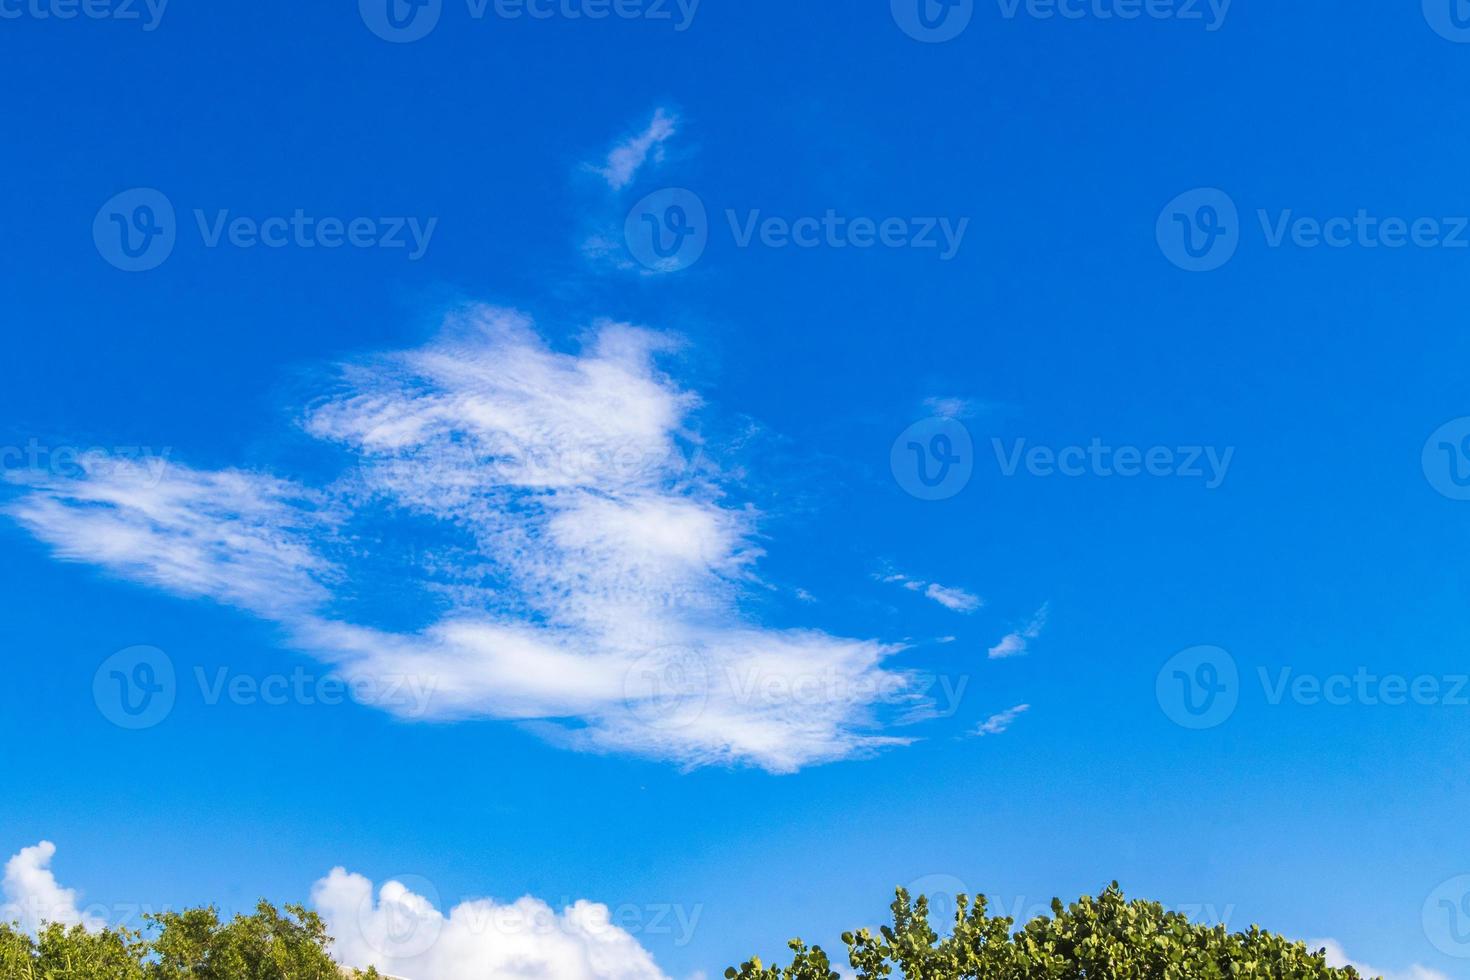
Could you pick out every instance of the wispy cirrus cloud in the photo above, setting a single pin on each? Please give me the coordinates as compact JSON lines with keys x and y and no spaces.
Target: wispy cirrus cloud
{"x":587,"y":564}
{"x":950,"y":597}
{"x":1018,"y":642}
{"x":999,"y":724}
{"x":628,"y":157}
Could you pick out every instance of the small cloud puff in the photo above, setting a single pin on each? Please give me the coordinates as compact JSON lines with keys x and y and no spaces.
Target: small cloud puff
{"x":627,"y":158}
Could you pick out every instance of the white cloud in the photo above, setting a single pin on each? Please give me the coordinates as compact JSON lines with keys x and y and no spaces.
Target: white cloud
{"x":593,"y":574}
{"x":237,"y":537}
{"x":950,"y":408}
{"x":1337,"y":957}
{"x":950,"y":597}
{"x":1015,"y":644}
{"x":33,"y":897}
{"x":403,"y":934}
{"x":627,"y":158}
{"x":957,"y":600}
{"x":1000,"y":723}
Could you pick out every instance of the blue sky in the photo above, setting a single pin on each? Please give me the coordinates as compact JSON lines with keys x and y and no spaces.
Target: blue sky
{"x":701,"y":437}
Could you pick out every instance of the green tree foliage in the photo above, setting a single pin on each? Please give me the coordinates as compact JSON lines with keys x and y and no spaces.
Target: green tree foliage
{"x":1102,"y":938}
{"x":190,"y":945}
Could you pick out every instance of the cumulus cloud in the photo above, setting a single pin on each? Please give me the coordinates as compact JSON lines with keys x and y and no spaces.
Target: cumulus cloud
{"x":1337,"y":957}
{"x":627,"y":158}
{"x":999,"y":724}
{"x":1016,"y":643}
{"x":591,"y":561}
{"x":33,"y":897}
{"x":403,"y":934}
